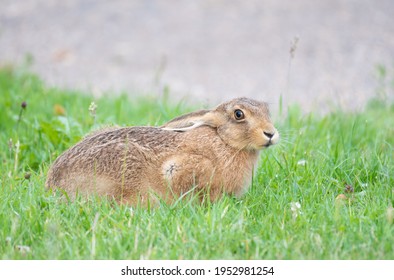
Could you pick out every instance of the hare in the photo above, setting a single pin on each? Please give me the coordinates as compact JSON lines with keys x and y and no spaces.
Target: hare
{"x":213,"y":151}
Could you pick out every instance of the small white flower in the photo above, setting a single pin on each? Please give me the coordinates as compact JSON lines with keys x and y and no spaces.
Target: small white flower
{"x":23,"y":249}
{"x":295,"y":208}
{"x":301,"y":162}
{"x":92,"y":109}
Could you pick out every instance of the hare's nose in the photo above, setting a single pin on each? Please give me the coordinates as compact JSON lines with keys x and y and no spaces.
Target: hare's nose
{"x":269,"y":134}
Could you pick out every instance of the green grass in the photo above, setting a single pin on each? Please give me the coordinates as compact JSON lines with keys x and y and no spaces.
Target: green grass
{"x":317,"y":157}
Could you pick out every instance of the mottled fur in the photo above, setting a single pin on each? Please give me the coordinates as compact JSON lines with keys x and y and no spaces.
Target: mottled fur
{"x":207,"y":150}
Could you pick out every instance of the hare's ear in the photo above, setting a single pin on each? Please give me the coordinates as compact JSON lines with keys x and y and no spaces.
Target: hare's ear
{"x":193,"y":120}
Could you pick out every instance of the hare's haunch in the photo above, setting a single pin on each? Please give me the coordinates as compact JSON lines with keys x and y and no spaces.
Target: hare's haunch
{"x":213,"y":151}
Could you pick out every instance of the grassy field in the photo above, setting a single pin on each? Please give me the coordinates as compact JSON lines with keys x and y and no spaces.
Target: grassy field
{"x":325,"y":192}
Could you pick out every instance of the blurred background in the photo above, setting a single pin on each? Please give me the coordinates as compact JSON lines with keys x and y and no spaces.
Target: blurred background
{"x":320,"y":54}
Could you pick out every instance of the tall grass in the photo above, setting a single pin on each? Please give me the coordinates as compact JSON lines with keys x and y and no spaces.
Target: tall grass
{"x":325,"y":192}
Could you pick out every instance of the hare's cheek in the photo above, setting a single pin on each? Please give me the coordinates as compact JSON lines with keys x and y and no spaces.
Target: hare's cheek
{"x":258,"y":139}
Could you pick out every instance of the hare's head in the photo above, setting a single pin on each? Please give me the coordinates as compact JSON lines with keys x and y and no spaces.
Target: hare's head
{"x":242,"y":123}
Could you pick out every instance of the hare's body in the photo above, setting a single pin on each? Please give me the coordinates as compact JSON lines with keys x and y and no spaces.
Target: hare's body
{"x":132,"y":163}
{"x":126,"y":164}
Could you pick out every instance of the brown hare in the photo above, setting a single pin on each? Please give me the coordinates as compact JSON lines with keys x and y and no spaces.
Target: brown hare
{"x":212,"y":151}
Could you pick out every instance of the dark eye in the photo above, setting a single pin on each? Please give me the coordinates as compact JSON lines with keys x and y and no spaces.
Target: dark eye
{"x":239,"y":115}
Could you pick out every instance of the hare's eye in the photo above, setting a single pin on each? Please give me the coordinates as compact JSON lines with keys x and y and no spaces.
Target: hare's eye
{"x":238,"y":114}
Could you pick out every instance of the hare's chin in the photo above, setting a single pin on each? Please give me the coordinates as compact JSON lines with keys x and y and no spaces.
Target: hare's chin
{"x":257,"y":147}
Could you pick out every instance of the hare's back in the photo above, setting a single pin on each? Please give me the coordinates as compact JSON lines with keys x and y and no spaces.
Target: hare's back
{"x":110,"y":148}
{"x":113,"y":154}
{"x":122,"y":140}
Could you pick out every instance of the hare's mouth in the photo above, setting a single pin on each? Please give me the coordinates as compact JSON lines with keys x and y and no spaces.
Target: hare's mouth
{"x":269,"y":143}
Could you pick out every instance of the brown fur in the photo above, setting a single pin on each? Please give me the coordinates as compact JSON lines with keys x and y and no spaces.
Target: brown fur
{"x":208,"y":150}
